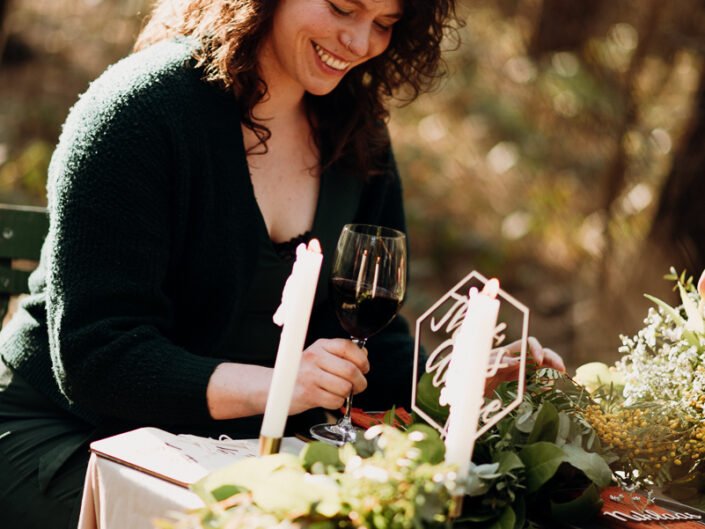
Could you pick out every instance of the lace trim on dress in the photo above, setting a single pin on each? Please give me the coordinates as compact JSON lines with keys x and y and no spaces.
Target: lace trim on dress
{"x":287,"y":250}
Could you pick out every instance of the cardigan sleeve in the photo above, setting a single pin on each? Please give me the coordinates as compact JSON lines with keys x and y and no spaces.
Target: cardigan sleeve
{"x":110,"y":243}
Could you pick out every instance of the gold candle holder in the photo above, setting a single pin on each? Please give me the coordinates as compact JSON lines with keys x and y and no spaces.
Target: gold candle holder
{"x":457,"y":508}
{"x":269,"y":445}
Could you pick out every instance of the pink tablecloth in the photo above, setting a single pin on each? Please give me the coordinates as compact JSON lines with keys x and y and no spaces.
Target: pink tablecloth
{"x":118,"y":495}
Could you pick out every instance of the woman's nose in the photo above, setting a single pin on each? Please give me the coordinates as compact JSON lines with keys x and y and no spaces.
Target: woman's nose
{"x":357,"y":38}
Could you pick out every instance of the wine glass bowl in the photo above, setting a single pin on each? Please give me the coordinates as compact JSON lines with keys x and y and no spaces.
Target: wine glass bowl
{"x":367,"y":287}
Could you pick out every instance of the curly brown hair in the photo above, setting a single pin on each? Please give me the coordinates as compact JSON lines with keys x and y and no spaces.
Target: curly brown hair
{"x":347,"y":120}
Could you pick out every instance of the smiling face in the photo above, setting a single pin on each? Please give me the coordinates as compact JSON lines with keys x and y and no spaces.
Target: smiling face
{"x":313,"y":43}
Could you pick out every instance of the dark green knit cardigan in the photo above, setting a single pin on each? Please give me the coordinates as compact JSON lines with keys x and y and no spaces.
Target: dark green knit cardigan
{"x":151,"y":248}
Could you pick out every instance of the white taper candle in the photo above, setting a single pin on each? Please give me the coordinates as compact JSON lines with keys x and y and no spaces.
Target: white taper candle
{"x":466,"y":376}
{"x":293,"y":315}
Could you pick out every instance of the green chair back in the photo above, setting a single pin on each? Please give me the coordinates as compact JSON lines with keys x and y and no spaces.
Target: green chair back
{"x":22,"y":232}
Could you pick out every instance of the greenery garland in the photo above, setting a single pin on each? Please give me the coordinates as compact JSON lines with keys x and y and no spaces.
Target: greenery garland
{"x":542,"y":460}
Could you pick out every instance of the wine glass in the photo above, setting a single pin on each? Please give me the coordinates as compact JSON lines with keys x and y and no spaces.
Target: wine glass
{"x":367,"y":286}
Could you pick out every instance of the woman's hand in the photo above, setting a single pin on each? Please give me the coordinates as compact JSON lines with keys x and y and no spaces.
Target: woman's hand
{"x":537,"y":356}
{"x":329,"y":370}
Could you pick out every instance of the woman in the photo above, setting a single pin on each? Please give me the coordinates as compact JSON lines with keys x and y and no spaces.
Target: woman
{"x":183,"y":180}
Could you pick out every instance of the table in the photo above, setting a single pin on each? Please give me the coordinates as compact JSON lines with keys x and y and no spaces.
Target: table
{"x":117,"y":496}
{"x":144,"y":474}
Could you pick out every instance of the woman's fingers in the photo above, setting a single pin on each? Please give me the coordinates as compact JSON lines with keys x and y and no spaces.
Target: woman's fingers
{"x":343,"y":359}
{"x":346,"y":350}
{"x":537,"y":354}
{"x":553,"y":359}
{"x":336,"y":374}
{"x":329,"y":371}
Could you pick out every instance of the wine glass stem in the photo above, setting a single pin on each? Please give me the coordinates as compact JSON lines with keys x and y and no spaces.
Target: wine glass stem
{"x":345,"y":421}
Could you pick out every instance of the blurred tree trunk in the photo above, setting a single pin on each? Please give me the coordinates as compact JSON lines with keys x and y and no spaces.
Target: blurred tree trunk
{"x":563,"y":25}
{"x":613,"y":180}
{"x":678,"y":229}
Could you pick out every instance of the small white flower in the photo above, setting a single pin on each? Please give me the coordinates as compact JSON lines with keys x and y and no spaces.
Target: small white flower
{"x":413,"y":454}
{"x":354,"y":463}
{"x":417,"y":436}
{"x":373,"y":431}
{"x":373,"y":473}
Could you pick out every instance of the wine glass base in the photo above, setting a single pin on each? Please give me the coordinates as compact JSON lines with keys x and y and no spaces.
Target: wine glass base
{"x":334,"y":434}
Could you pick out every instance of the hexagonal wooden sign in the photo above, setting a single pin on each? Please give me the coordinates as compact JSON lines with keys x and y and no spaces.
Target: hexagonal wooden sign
{"x":440,"y":324}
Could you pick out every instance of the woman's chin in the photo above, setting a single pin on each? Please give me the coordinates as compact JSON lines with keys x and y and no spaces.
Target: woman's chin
{"x":322,"y":90}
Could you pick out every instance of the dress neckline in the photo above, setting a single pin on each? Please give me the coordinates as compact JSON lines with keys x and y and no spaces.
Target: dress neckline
{"x":287,"y":250}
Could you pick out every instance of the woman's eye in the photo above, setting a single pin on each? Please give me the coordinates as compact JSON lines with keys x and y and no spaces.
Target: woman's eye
{"x":338,"y":10}
{"x":383,"y":27}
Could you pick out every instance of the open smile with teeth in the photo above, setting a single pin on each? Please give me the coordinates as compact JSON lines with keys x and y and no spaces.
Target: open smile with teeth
{"x":336,"y":64}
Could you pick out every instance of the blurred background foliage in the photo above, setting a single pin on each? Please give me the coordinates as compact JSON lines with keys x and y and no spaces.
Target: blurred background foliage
{"x":564,"y":152}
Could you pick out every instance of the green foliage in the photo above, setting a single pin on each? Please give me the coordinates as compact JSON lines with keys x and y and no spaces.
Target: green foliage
{"x":579,"y":509}
{"x":541,"y":461}
{"x":541,"y":458}
{"x":397,"y":481}
{"x":320,"y":454}
{"x":543,"y":454}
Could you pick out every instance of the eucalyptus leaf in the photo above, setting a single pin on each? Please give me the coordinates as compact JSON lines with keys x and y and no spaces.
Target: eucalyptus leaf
{"x":582,"y":508}
{"x":541,"y":461}
{"x":525,"y":417}
{"x":247,"y":473}
{"x":427,"y":398}
{"x":226,"y":491}
{"x":546,"y":426}
{"x":364,"y":447}
{"x":318,"y":451}
{"x":564,"y":428}
{"x":292,"y":491}
{"x":593,"y":466}
{"x":474,"y":484}
{"x":508,"y":461}
{"x":432,"y":447}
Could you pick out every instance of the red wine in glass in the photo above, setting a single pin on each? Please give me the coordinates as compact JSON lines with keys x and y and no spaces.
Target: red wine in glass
{"x":361,"y":311}
{"x":367,"y":286}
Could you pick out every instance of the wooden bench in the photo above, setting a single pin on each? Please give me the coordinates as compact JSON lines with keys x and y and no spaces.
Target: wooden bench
{"x":22,"y":232}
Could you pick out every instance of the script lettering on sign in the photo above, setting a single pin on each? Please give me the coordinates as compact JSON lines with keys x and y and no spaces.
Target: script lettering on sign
{"x":439,"y":359}
{"x":441,"y":324}
{"x":651,"y":516}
